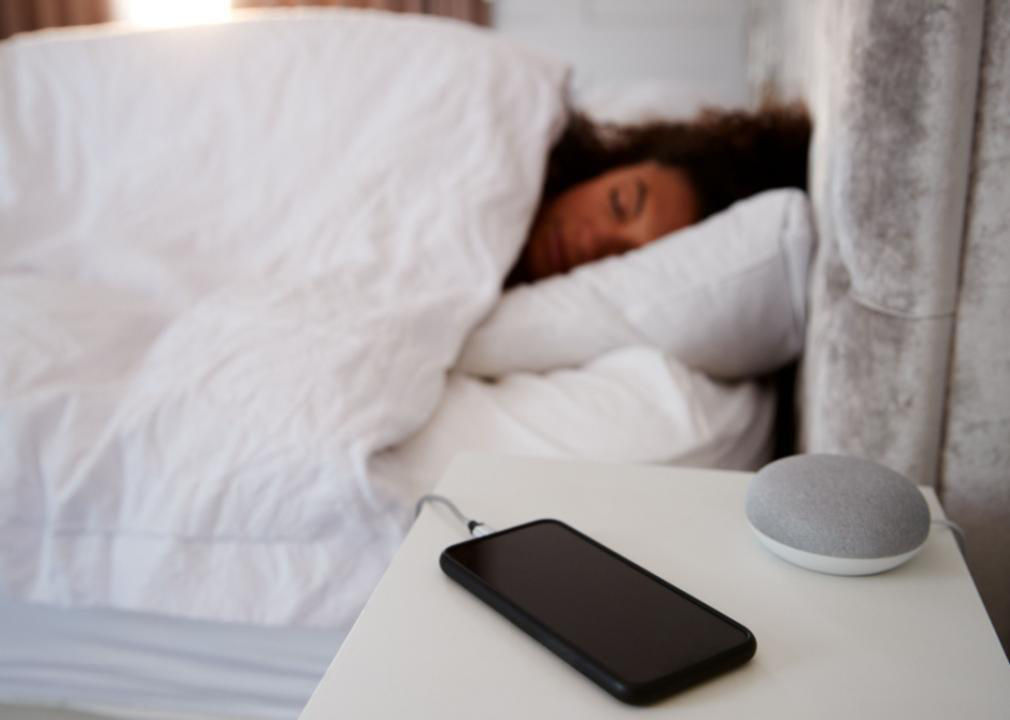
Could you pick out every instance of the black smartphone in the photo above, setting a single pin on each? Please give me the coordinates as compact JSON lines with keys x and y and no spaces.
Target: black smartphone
{"x":634,"y":634}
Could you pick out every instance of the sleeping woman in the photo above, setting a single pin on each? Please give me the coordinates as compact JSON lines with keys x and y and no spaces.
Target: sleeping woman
{"x":609,"y":189}
{"x":604,"y":364}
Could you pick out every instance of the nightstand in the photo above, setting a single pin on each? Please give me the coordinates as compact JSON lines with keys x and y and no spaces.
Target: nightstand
{"x":911,"y":643}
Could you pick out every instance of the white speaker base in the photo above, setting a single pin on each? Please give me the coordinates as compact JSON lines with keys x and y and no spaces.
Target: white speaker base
{"x":833,"y":565}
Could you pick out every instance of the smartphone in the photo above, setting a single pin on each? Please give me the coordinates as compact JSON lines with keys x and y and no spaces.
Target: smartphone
{"x":632,"y":633}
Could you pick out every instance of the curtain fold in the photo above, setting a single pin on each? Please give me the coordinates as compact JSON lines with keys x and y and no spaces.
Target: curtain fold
{"x":475,"y":11}
{"x":24,"y":15}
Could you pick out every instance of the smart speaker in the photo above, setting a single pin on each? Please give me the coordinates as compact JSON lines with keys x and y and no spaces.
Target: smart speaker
{"x":837,"y":514}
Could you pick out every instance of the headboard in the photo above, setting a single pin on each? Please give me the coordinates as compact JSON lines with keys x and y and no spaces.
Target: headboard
{"x":908,"y":346}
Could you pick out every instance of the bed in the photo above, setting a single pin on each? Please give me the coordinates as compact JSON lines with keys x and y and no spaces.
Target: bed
{"x":250,"y":309}
{"x":256,"y":567}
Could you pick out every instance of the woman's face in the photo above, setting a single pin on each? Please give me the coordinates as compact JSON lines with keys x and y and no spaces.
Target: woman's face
{"x":617,"y":211}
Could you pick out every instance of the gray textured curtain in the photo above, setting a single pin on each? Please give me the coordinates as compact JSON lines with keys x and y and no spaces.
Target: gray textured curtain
{"x":23,"y":15}
{"x":475,"y":11}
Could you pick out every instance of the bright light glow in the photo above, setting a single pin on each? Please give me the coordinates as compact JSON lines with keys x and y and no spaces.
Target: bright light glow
{"x":162,"y":13}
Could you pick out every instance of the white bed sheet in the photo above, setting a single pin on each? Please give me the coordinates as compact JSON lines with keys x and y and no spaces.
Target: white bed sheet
{"x":140,"y":664}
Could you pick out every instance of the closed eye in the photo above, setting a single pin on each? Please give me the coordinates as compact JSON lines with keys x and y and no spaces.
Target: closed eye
{"x":616,"y":206}
{"x":621,"y":207}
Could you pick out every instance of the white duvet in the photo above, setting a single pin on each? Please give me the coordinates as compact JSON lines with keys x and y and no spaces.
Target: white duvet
{"x":237,"y":263}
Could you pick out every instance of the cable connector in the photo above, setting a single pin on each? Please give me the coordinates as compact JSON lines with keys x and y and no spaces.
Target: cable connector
{"x":476,"y":528}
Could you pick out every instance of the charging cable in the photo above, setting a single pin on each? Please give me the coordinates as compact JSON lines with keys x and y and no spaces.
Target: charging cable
{"x":954,"y":528}
{"x":476,"y":528}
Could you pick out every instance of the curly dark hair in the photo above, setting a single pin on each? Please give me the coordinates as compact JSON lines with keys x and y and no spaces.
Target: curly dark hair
{"x":727,"y":154}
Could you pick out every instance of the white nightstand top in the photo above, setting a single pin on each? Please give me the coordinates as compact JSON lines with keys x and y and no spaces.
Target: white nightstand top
{"x":911,"y":643}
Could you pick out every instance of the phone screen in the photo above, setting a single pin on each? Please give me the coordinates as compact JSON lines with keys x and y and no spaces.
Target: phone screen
{"x":630,"y":622}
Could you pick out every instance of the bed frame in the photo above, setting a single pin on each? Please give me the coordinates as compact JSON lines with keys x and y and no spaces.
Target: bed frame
{"x":908,"y":345}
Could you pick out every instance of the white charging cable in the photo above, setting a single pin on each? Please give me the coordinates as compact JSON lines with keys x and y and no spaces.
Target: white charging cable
{"x":954,"y":528}
{"x":476,"y":528}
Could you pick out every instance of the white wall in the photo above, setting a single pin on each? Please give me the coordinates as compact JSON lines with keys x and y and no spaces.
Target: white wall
{"x":679,"y":53}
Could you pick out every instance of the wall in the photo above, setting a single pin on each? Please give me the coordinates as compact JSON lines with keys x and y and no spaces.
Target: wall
{"x":672,"y":53}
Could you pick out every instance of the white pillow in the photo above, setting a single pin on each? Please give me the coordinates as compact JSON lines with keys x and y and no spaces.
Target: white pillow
{"x":725,"y":296}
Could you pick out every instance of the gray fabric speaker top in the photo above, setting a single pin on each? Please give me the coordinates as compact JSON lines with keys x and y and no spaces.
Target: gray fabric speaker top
{"x":838,"y":506}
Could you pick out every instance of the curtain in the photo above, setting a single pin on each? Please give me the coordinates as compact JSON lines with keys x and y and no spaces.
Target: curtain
{"x":475,"y":11}
{"x":23,"y":15}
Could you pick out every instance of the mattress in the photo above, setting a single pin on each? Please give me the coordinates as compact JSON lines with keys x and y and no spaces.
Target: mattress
{"x":139,"y":664}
